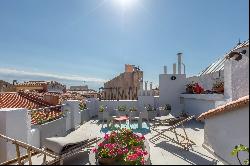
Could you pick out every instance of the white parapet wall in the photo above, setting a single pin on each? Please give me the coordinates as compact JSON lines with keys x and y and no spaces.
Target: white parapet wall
{"x":56,"y":128}
{"x":196,"y":104}
{"x":73,"y":107}
{"x":144,"y":101}
{"x":93,"y":106}
{"x":14,"y":123}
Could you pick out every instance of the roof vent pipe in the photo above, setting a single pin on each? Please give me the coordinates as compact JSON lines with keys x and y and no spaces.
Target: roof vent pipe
{"x":165,"y":69}
{"x":179,"y":62}
{"x":174,"y":68}
{"x":184,"y":68}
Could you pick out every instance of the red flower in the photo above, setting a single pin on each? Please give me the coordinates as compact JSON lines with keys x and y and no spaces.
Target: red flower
{"x":94,"y":150}
{"x":106,"y":137}
{"x":100,"y":144}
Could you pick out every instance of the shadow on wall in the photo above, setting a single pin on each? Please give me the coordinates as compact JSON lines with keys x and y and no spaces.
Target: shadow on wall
{"x":189,"y":156}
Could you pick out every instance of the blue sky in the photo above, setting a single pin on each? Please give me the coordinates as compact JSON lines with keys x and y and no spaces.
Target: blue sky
{"x":91,"y":40}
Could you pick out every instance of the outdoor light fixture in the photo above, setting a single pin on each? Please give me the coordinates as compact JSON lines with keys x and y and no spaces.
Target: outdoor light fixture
{"x":173,"y":78}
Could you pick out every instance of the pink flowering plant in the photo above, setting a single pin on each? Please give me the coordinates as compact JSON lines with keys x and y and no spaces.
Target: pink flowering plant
{"x":123,"y":147}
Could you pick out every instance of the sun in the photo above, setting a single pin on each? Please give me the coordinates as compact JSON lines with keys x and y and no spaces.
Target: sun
{"x":125,"y":4}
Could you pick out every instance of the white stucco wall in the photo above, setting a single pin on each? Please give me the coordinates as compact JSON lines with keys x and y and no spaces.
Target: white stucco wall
{"x":73,"y":107}
{"x":223,"y":132}
{"x":56,"y":128}
{"x":144,"y":101}
{"x":196,"y":104}
{"x":170,"y":91}
{"x":92,"y":105}
{"x":237,"y":77}
{"x":240,"y":78}
{"x":14,"y":123}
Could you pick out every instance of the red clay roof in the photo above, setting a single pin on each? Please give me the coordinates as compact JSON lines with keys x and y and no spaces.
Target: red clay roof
{"x":21,"y":100}
{"x":28,"y":101}
{"x":231,"y":106}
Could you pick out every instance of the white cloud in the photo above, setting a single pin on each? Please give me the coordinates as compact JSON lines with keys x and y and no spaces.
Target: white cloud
{"x":15,"y":72}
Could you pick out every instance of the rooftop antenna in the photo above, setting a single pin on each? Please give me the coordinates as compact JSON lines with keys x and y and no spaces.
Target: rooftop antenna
{"x":239,"y":42}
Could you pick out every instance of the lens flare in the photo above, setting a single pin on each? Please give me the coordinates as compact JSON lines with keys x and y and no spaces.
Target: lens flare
{"x":125,"y":4}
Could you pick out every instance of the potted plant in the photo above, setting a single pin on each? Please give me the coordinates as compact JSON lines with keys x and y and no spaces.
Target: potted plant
{"x":122,"y":147}
{"x":166,"y":110}
{"x":84,"y":112}
{"x":197,"y":89}
{"x":218,"y":87}
{"x":236,"y":152}
{"x":189,"y":88}
{"x":100,"y":112}
{"x":133,"y":111}
{"x":122,"y":110}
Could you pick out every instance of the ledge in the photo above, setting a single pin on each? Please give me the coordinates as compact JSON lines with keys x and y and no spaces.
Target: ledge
{"x":212,"y":97}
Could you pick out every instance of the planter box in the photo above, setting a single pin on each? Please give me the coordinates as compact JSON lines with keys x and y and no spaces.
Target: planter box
{"x":94,"y":161}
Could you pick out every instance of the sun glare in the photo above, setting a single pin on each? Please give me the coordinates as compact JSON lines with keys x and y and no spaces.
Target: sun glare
{"x":125,"y":4}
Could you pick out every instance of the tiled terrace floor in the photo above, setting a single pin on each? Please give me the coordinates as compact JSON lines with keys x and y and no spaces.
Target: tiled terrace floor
{"x":162,"y":152}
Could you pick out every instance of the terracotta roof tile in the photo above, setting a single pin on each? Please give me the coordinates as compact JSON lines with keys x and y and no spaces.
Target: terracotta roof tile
{"x":231,"y":106}
{"x":28,"y":101}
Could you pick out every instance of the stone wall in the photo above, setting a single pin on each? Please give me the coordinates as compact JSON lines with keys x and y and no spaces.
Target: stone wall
{"x":123,"y":87}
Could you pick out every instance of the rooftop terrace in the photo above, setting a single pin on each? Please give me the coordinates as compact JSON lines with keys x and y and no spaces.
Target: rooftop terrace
{"x":162,"y":152}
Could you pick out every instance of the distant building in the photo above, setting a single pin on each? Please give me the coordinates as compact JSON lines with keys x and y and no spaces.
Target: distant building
{"x":125,"y":86}
{"x":79,"y":88}
{"x":6,"y":87}
{"x":41,"y":86}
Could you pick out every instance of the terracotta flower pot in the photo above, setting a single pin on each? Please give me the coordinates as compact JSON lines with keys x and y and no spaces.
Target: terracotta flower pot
{"x":189,"y":90}
{"x":106,"y":161}
{"x":219,"y":90}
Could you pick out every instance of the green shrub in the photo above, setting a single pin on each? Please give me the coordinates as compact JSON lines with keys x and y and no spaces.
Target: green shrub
{"x":150,"y":108}
{"x":132,"y":109}
{"x":240,"y":148}
{"x":101,"y":108}
{"x":82,"y":106}
{"x":122,"y":108}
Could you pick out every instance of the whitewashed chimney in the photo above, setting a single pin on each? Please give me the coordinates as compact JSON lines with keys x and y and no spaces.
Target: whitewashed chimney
{"x":179,"y":62}
{"x":165,"y":69}
{"x":174,"y":68}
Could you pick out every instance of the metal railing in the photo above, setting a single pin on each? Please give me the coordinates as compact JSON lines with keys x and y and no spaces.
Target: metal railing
{"x":31,"y":151}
